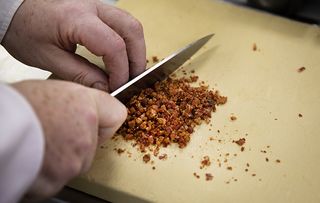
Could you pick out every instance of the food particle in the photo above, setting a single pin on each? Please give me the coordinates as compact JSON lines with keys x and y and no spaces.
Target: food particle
{"x":233,"y":118}
{"x":209,"y":176}
{"x":146,"y":158}
{"x":301,"y":69}
{"x":246,"y":170}
{"x":168,"y":113}
{"x":153,"y":168}
{"x":242,"y":149}
{"x":205,"y":162}
{"x":155,"y":59}
{"x":240,"y":142}
{"x":196,"y":175}
{"x":278,"y":161}
{"x":300,"y":115}
{"x":267,"y":159}
{"x":229,"y":168}
{"x":253,"y":174}
{"x":263,"y":151}
{"x":254,"y":47}
{"x":119,"y":151}
{"x":163,"y":157}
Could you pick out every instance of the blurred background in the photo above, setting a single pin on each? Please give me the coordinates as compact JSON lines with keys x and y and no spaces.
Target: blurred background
{"x":301,"y":10}
{"x":307,"y":11}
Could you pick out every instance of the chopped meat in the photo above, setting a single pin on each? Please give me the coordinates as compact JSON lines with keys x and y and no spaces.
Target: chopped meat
{"x":209,"y":176}
{"x":146,"y":158}
{"x":240,"y":142}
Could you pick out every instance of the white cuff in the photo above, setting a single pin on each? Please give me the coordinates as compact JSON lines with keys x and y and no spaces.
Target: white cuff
{"x":21,"y":145}
{"x":7,"y":10}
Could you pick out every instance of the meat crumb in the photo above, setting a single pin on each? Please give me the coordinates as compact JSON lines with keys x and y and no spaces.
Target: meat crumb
{"x":168,"y":113}
{"x":153,"y":168}
{"x":240,"y":142}
{"x":242,"y":149}
{"x":246,"y":170}
{"x":254,"y":47}
{"x":155,"y":59}
{"x":196,"y":175}
{"x":146,"y":158}
{"x":205,"y":162}
{"x":233,"y":118}
{"x":278,"y":161}
{"x":253,"y":174}
{"x":119,"y":151}
{"x":229,"y":168}
{"x":163,"y":157}
{"x":267,"y":159}
{"x":209,"y":176}
{"x":300,"y":115}
{"x":300,"y":70}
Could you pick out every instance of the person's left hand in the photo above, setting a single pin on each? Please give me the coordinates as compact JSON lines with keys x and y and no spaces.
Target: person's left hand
{"x":44,"y":34}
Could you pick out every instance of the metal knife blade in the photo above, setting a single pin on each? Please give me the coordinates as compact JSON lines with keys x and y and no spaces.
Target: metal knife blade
{"x":159,"y":71}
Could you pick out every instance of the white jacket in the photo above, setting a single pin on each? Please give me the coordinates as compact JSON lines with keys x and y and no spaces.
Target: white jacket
{"x":21,"y":137}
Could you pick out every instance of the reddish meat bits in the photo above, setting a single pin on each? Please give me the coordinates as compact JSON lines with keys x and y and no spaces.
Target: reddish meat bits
{"x":168,"y":113}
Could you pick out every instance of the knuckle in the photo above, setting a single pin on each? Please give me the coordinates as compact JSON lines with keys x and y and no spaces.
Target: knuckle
{"x":136,"y":27}
{"x":118,"y":44}
{"x":80,"y":77}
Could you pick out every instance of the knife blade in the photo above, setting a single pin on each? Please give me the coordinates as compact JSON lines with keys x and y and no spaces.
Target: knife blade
{"x":159,"y":71}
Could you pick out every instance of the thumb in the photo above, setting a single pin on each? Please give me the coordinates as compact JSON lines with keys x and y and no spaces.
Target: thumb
{"x":75,"y":68}
{"x":111,"y":113}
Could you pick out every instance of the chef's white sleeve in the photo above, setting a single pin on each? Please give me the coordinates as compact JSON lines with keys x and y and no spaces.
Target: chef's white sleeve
{"x":21,"y":145}
{"x":7,"y":10}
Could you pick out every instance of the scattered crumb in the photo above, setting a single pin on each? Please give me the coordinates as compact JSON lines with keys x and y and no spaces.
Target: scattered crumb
{"x":275,"y":119}
{"x":227,"y":182}
{"x":248,"y":165}
{"x":301,"y":69}
{"x":263,"y":151}
{"x":240,"y":142}
{"x":254,"y":47}
{"x":233,"y":118}
{"x":242,"y":149}
{"x":209,"y":176}
{"x":235,"y":180}
{"x":253,"y":174}
{"x":211,"y":138}
{"x":146,"y":158}
{"x":300,"y":115}
{"x":229,"y":168}
{"x":192,"y":71}
{"x":278,"y":161}
{"x":119,"y":151}
{"x":196,"y":175}
{"x":205,"y":162}
{"x":163,"y":157}
{"x":268,"y":146}
{"x":246,"y":170}
{"x":218,"y":131}
{"x":155,"y":59}
{"x":147,"y":61}
{"x":267,"y":159}
{"x":153,"y":168}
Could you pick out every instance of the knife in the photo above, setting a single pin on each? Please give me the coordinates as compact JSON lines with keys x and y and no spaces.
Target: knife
{"x":159,"y":71}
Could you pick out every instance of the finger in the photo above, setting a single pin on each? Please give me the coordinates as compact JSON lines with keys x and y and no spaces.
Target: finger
{"x":101,"y":40}
{"x":131,"y":31}
{"x":111,"y":114}
{"x":75,"y":68}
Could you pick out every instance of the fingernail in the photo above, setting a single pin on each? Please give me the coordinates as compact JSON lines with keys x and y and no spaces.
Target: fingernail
{"x":100,"y":86}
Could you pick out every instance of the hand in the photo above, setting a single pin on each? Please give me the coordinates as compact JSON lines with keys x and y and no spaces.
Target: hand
{"x":74,"y":120}
{"x":44,"y":34}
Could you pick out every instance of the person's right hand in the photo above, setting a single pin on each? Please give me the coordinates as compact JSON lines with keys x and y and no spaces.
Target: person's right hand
{"x":74,"y":120}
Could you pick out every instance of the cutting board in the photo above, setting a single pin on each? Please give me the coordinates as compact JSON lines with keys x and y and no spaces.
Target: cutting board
{"x":265,"y":91}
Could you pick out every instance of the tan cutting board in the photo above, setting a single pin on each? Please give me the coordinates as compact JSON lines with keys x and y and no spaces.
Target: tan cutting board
{"x":265,"y":92}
